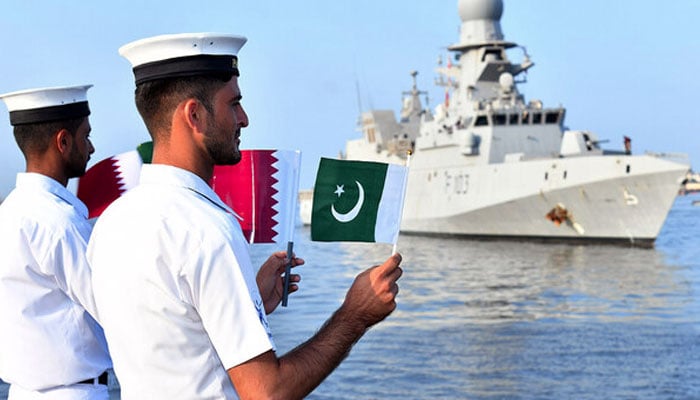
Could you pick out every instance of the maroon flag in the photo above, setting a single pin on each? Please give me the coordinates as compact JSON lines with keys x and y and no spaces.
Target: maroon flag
{"x":262,"y":190}
{"x":110,"y":178}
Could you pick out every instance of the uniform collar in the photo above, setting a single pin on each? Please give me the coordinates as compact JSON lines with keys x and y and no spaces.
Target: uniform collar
{"x":161,"y":174}
{"x":33,"y":180}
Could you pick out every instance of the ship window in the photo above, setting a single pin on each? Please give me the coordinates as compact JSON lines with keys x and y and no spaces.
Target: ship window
{"x":499,"y":119}
{"x":481,"y":120}
{"x":513,"y":119}
{"x":564,"y":174}
{"x":551,"y":118}
{"x":628,"y":168}
{"x":492,"y":55}
{"x":537,"y":118}
{"x":526,"y":118}
{"x":546,"y":176}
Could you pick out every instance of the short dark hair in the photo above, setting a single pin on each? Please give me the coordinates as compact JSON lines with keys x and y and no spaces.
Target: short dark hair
{"x":36,"y":138}
{"x":156,"y":100}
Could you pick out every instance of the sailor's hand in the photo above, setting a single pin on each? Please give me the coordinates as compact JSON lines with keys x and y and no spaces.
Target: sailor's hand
{"x":372,"y":296}
{"x":270,"y":279}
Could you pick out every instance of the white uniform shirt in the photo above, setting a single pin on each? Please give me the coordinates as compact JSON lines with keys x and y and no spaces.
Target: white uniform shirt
{"x":175,"y":290}
{"x":47,"y":338}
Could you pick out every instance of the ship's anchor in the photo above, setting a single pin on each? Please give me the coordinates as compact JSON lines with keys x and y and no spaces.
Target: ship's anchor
{"x":560,"y":214}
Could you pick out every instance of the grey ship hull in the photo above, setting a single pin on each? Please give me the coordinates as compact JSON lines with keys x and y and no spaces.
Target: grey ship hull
{"x":610,"y":207}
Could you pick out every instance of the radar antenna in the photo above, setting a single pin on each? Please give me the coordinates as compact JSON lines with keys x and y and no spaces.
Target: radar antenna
{"x":414,"y":93}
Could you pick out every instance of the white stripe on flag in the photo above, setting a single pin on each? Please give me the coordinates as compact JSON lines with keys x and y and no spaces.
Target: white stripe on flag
{"x":388,"y":215}
{"x":288,"y":162}
{"x":129,"y":169}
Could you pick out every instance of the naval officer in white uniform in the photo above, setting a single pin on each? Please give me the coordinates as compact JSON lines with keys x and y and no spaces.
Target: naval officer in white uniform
{"x":182,"y":308}
{"x":50,"y":345}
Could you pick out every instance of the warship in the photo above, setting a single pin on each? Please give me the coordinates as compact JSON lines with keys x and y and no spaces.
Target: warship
{"x":487,"y":163}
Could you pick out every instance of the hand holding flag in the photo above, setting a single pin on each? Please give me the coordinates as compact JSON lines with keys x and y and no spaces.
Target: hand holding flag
{"x":261,"y":190}
{"x":372,"y":295}
{"x":272,"y":288}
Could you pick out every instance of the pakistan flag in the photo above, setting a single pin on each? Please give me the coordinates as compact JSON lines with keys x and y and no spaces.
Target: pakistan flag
{"x":357,"y":201}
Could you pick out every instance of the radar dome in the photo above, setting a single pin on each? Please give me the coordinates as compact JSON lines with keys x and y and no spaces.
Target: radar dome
{"x":506,"y":81}
{"x":481,"y":24}
{"x":470,"y":10}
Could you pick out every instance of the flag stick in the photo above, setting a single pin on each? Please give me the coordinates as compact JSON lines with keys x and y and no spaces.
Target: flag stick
{"x":403,"y":199}
{"x":287,"y":273}
{"x":252,"y":190}
{"x":290,"y":230}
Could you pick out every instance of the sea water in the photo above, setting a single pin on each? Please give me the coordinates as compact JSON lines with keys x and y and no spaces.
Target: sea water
{"x":511,"y":320}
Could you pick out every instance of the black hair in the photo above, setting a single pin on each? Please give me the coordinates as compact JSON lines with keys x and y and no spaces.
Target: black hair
{"x":157,"y":100}
{"x":36,"y":138}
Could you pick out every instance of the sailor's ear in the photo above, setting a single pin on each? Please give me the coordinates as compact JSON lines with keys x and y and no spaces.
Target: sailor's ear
{"x":63,"y":140}
{"x":195,"y":114}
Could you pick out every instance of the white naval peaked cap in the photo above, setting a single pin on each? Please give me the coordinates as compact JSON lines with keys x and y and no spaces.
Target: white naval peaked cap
{"x":183,"y":54}
{"x":47,"y":104}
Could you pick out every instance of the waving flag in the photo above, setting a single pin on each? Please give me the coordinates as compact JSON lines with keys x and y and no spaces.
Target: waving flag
{"x":262,"y":190}
{"x":110,"y":178}
{"x":357,"y":201}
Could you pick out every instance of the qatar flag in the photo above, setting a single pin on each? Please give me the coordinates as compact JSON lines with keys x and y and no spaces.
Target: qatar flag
{"x":110,"y":178}
{"x":262,"y":190}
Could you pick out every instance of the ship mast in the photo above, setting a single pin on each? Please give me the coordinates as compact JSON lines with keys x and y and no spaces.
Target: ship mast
{"x":411,"y":101}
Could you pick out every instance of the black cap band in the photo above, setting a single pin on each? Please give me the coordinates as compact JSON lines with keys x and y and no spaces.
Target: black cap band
{"x":186,"y":66}
{"x":50,"y":114}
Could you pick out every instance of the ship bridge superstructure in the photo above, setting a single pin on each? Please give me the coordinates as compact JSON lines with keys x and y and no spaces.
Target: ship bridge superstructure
{"x":484,"y":115}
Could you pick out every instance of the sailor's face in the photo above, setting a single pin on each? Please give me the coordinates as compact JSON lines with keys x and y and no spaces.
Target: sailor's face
{"x":224,"y":129}
{"x":80,"y":150}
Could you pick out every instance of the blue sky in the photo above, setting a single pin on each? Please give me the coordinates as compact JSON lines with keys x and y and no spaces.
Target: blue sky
{"x":623,"y":67}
